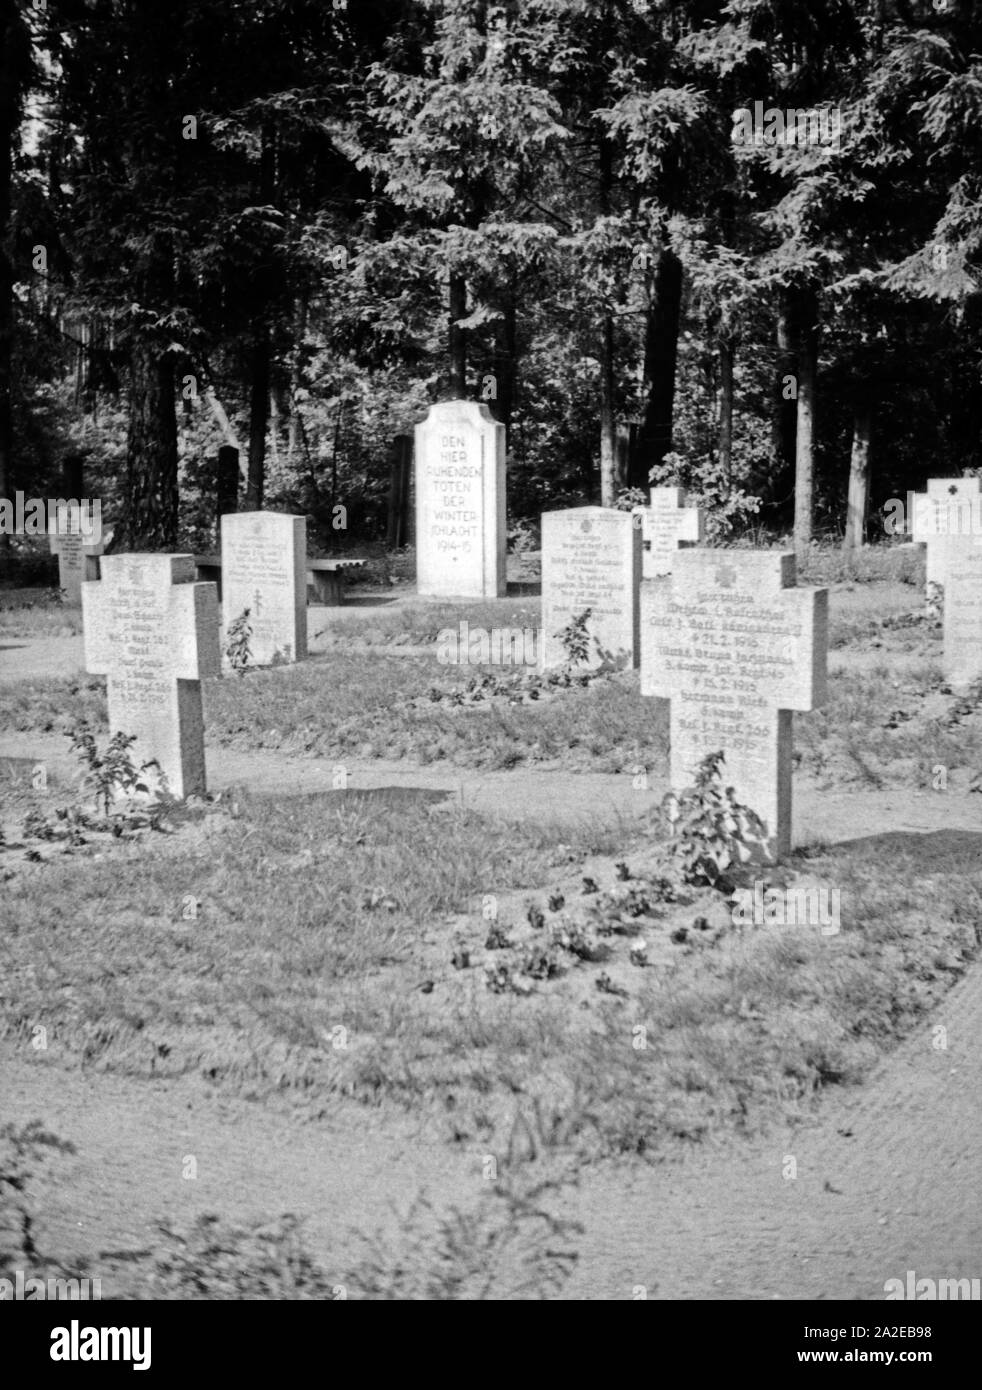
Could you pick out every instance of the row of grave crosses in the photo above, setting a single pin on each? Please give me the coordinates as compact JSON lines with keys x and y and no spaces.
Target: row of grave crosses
{"x":726,"y":636}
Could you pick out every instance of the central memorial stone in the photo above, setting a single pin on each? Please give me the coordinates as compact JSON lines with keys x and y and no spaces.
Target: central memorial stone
{"x":153,"y":632}
{"x":264,"y":570}
{"x":460,"y":502}
{"x":591,"y":559}
{"x":736,"y":647}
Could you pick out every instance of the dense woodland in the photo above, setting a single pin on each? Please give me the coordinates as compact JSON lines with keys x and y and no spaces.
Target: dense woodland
{"x":290,"y":225}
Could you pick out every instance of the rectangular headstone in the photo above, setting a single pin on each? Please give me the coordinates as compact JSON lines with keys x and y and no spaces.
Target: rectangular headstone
{"x":77,"y":557}
{"x":460,"y":502}
{"x":666,"y":526}
{"x":949,"y":509}
{"x":591,"y":559}
{"x":963,"y":613}
{"x":264,"y":570}
{"x":736,"y":647}
{"x":153,"y":632}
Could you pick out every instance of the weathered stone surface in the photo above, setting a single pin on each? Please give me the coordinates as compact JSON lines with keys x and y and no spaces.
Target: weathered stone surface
{"x":950,"y":509}
{"x":736,"y":647}
{"x":264,"y":570}
{"x":591,"y":558}
{"x":460,"y":502}
{"x":153,"y":632}
{"x":963,"y":612}
{"x":667,"y":525}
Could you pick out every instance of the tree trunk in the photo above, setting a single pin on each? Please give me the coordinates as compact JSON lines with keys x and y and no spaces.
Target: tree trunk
{"x":784,"y":422}
{"x":726,"y":356}
{"x":258,"y":418}
{"x":660,"y":357}
{"x":260,"y":352}
{"x":149,"y":520}
{"x":855,"y":532}
{"x":227,"y":485}
{"x":804,"y":461}
{"x":458,"y":338}
{"x":400,"y":471}
{"x":505,"y":365}
{"x":15,"y":67}
{"x":608,"y":427}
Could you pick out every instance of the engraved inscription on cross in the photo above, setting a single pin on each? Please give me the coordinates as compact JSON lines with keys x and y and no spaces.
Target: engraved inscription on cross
{"x":666,"y":526}
{"x":154,"y":633}
{"x":736,"y":647}
{"x":76,"y":552}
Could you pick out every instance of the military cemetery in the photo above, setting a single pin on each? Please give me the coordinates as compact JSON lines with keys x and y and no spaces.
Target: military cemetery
{"x":493,"y":812}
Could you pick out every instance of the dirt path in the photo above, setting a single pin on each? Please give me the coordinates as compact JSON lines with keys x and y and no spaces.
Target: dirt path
{"x":357,"y":1170}
{"x":542,"y":796}
{"x":887,"y":1181}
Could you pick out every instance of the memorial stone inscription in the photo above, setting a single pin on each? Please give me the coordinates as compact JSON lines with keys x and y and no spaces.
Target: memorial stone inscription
{"x":264,"y":570}
{"x":460,"y":502}
{"x":667,"y":525}
{"x":153,"y":632}
{"x":76,"y":554}
{"x":591,"y":559}
{"x":963,"y":613}
{"x":736,"y":647}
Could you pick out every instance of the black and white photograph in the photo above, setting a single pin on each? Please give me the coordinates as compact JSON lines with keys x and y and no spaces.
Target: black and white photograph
{"x":491,"y":666}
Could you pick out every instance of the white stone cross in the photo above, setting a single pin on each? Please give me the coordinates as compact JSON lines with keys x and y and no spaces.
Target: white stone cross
{"x":736,"y":647}
{"x":76,"y":555}
{"x":951,"y":507}
{"x":666,"y":526}
{"x":153,"y":632}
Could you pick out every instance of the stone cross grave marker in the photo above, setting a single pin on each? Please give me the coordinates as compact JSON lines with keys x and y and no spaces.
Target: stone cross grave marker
{"x":962,"y":659}
{"x":460,"y":502}
{"x":153,"y":632}
{"x":736,"y":647}
{"x":76,"y":555}
{"x":666,"y":526}
{"x":264,"y":569}
{"x":591,"y":558}
{"x":951,"y":507}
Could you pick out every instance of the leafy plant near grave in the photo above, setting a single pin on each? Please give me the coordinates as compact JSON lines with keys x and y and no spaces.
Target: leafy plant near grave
{"x":575,"y":638}
{"x":710,"y":831}
{"x":238,"y":646}
{"x":108,"y":774}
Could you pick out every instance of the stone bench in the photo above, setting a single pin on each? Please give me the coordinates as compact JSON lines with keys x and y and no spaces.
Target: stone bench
{"x":325,"y":578}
